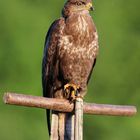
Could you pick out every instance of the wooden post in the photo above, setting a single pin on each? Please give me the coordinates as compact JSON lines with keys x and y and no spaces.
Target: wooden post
{"x":54,"y":127}
{"x":79,"y":118}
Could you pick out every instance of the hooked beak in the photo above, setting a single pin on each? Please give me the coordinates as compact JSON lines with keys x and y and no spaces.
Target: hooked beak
{"x":89,"y":6}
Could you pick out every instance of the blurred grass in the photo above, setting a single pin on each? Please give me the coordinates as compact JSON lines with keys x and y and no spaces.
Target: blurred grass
{"x":115,"y":80}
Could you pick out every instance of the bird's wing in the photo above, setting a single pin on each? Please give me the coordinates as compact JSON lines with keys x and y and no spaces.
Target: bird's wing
{"x":49,"y":58}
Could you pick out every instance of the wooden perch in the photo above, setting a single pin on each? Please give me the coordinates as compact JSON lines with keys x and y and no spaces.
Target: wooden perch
{"x":78,"y":119}
{"x":64,"y":105}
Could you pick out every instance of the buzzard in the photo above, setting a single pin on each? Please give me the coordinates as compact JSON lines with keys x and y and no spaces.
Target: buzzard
{"x":70,"y":52}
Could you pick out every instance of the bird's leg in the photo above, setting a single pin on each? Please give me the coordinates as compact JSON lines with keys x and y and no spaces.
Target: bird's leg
{"x":70,"y":91}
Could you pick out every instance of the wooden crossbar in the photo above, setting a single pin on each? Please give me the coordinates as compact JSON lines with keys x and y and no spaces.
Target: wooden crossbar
{"x":63,"y":105}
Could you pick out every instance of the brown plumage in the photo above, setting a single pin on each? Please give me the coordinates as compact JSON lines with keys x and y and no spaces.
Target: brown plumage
{"x":71,"y":48}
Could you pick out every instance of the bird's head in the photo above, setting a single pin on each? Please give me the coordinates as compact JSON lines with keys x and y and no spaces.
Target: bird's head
{"x":72,"y":6}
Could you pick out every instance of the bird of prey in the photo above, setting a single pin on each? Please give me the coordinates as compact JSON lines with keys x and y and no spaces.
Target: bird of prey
{"x":70,"y":52}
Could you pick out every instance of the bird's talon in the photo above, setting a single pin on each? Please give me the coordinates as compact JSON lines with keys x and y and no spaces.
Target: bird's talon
{"x":73,"y":96}
{"x":71,"y":91}
{"x":68,"y":86}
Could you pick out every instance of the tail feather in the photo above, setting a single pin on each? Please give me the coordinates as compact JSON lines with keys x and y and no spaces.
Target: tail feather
{"x":48,"y":121}
{"x":69,"y":126}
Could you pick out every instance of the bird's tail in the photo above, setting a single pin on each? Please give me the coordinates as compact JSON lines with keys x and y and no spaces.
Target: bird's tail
{"x":48,"y":121}
{"x":62,"y":126}
{"x":69,"y":126}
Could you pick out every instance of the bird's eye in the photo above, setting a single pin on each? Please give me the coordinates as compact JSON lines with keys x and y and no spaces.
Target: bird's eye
{"x":83,"y":2}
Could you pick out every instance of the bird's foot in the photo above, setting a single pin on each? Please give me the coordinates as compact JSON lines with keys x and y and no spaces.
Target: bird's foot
{"x":71,"y":91}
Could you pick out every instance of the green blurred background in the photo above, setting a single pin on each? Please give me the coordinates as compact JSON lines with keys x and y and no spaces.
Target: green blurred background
{"x":116,"y":78}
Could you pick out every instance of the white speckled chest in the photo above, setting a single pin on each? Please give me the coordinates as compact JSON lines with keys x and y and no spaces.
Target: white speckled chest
{"x":83,"y":45}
